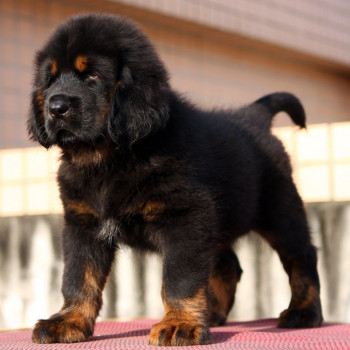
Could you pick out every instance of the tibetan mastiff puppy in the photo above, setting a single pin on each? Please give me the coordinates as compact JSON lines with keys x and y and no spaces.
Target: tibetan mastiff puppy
{"x":142,"y":166}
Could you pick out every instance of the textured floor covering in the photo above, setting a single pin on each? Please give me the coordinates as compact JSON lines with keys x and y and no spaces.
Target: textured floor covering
{"x":260,"y":334}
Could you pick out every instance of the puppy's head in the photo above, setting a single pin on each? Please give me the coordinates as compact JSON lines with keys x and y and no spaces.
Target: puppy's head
{"x":97,"y":78}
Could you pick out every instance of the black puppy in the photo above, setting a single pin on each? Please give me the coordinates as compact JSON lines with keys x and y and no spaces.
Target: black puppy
{"x":143,"y":167}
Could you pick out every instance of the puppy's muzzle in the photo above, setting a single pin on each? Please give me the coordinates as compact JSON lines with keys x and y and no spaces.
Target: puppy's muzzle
{"x":59,"y":106}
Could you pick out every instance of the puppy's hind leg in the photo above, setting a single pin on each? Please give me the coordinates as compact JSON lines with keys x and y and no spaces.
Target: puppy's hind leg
{"x":283,"y":224}
{"x":222,"y":286}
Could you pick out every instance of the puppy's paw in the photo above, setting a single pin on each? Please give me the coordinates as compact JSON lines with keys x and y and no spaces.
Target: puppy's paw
{"x":300,"y":318}
{"x":59,"y":330}
{"x":177,"y":333}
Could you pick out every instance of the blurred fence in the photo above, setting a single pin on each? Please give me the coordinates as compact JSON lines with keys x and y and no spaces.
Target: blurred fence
{"x":31,"y":269}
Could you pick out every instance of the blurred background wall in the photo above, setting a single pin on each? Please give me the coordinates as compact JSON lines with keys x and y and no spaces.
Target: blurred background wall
{"x":219,"y":53}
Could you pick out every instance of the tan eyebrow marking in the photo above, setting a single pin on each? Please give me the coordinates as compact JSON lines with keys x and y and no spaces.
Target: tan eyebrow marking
{"x":80,"y":63}
{"x":54,"y":67}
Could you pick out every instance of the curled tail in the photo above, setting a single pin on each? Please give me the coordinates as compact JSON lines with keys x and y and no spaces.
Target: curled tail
{"x":266,"y":107}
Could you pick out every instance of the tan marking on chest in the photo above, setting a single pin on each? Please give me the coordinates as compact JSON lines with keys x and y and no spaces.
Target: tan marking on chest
{"x":86,"y":157}
{"x":90,"y":158}
{"x":152,"y":209}
{"x":81,"y":208}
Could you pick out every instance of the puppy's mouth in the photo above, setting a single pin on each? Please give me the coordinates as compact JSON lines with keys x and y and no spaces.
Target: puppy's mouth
{"x":65,"y":138}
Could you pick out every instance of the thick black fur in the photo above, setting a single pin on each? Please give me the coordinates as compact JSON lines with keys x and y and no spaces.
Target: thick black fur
{"x":142,"y":166}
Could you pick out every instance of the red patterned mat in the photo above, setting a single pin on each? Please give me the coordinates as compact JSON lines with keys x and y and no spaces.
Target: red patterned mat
{"x":261,"y":334}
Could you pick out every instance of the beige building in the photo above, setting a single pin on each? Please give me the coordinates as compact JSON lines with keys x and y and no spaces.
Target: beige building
{"x":219,"y":53}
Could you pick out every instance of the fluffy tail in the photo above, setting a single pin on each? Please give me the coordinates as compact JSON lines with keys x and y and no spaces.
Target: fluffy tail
{"x":266,"y":107}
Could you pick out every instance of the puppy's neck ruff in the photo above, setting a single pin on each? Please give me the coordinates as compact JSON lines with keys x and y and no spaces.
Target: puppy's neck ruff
{"x":88,"y":156}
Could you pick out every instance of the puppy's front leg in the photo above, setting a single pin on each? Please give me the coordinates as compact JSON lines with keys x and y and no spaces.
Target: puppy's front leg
{"x":185,"y":299}
{"x":87,"y":264}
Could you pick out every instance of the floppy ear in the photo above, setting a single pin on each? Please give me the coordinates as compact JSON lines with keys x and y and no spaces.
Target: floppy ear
{"x":139,"y":107}
{"x":35,"y":121}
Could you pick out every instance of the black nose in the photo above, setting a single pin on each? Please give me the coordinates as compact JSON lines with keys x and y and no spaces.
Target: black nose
{"x":58,"y":106}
